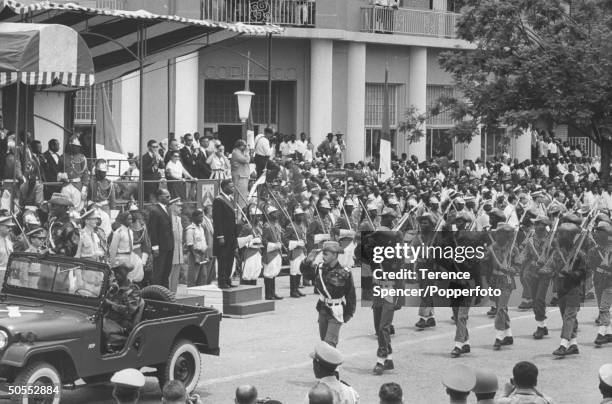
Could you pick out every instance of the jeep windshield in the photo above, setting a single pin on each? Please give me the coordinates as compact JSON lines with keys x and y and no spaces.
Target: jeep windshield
{"x":52,"y":276}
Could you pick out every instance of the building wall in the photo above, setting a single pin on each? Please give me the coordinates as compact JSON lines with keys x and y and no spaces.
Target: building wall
{"x":49,"y":105}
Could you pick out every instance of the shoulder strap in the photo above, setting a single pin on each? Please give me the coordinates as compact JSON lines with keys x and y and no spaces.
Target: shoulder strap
{"x":327,"y":295}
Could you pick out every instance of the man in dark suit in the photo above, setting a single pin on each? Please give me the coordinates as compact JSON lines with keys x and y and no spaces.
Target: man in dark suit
{"x":53,"y":164}
{"x":187,"y":155}
{"x":202,"y":169}
{"x":162,"y":238}
{"x":152,"y":167}
{"x":225,"y":233}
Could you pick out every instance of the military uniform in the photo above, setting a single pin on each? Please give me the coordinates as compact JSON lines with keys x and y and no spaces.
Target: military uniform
{"x":272,"y":260}
{"x":122,"y":306}
{"x":569,"y":279}
{"x":500,"y":260}
{"x":295,"y":238}
{"x":534,"y":249}
{"x":599,"y":258}
{"x":63,"y":236}
{"x":337,"y":301}
{"x":251,"y":252}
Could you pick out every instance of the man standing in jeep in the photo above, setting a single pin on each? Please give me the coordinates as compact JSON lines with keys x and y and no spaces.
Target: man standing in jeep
{"x":124,"y":304}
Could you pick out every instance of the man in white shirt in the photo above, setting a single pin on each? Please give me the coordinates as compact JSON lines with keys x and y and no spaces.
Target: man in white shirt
{"x":263,"y":155}
{"x":553,"y":150}
{"x":302,"y":145}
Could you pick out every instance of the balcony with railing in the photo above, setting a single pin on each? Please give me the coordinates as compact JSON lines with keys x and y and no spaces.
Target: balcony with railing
{"x":279,"y":12}
{"x":388,"y":20}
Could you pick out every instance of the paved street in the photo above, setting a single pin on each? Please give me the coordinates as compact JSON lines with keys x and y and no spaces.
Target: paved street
{"x":271,"y":352}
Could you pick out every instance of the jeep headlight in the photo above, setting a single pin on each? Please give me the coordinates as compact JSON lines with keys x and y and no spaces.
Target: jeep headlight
{"x":3,"y":339}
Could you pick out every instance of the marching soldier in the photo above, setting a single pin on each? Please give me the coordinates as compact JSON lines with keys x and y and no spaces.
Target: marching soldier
{"x":345,"y":229}
{"x":599,"y":257}
{"x":384,"y":307}
{"x":425,"y":236}
{"x":62,"y":231}
{"x":337,"y":301}
{"x":534,"y":251}
{"x":569,"y":268}
{"x":501,"y":253}
{"x":295,"y":238}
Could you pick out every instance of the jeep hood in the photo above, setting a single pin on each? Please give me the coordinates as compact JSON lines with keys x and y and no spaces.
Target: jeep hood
{"x":48,"y":322}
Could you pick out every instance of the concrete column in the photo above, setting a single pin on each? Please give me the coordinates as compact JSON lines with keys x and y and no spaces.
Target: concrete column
{"x":417,"y":94}
{"x":186,"y":98}
{"x":355,"y":98}
{"x":523,"y":146}
{"x":321,"y":64}
{"x":130,"y":104}
{"x":472,"y":151}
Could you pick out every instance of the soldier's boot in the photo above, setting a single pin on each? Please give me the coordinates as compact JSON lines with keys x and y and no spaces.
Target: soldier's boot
{"x":572,"y":350}
{"x":293,"y":286}
{"x":601,"y":339}
{"x":497,"y":344}
{"x":389,"y":365}
{"x":456,"y":352}
{"x":492,"y":312}
{"x":273,"y":294}
{"x":561,"y":351}
{"x":379,"y":369}
{"x":540,"y":332}
{"x":508,"y":341}
{"x":298,"y":280}
{"x":268,"y":289}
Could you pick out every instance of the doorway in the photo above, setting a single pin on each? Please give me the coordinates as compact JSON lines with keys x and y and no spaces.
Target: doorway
{"x":228,"y":135}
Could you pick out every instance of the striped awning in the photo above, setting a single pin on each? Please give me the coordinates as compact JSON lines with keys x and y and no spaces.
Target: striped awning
{"x":48,"y":79}
{"x":112,"y":35}
{"x":38,"y":54}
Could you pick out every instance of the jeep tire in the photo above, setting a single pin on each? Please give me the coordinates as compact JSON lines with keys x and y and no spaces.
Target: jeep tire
{"x":157,"y":292}
{"x":37,"y":374}
{"x":184,"y":364}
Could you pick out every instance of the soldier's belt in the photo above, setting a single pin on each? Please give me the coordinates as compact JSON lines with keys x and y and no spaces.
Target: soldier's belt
{"x":330,"y":302}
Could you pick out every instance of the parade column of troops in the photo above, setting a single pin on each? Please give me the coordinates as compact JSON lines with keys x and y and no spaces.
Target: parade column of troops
{"x":546,"y":222}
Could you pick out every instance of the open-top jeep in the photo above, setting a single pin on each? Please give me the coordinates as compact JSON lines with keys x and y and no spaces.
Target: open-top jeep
{"x":51,"y":318}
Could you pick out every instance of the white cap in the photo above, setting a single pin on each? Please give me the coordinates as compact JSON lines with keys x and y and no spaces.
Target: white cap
{"x":129,"y":378}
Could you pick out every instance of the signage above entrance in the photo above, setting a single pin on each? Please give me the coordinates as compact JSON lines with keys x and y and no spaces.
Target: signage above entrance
{"x":238,"y":73}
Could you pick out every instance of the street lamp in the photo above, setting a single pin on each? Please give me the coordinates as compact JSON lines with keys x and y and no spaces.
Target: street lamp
{"x":244,"y":104}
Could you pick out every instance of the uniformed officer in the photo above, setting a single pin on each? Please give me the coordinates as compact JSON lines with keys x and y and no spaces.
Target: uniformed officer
{"x":337,"y":301}
{"x":63,"y":236}
{"x":90,"y":244}
{"x":6,"y":245}
{"x":251,"y":255}
{"x":123,"y":304}
{"x":325,"y":362}
{"x":126,"y":385}
{"x":486,"y":387}
{"x":459,"y":381}
{"x":37,"y":237}
{"x":605,"y":383}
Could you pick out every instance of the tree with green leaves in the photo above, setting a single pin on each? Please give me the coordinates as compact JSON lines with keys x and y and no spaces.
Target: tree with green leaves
{"x":535,"y":64}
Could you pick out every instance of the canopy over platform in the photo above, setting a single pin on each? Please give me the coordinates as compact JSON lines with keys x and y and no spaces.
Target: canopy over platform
{"x":113,"y":35}
{"x":39,"y":54}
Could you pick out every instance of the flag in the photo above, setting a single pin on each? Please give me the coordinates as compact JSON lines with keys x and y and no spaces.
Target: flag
{"x":260,"y":180}
{"x":106,"y":134}
{"x":384,"y":159}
